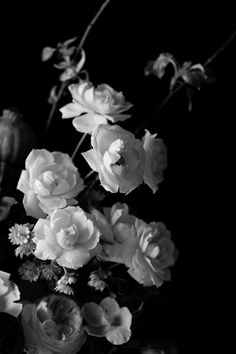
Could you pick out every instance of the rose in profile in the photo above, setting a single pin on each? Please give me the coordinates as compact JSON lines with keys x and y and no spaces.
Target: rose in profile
{"x":9,"y":293}
{"x":94,"y":106}
{"x":69,"y":236}
{"x":10,"y":327}
{"x":54,"y":325}
{"x":50,"y":181}
{"x":155,"y":160}
{"x":146,"y":249}
{"x":118,"y":157}
{"x":108,"y":320}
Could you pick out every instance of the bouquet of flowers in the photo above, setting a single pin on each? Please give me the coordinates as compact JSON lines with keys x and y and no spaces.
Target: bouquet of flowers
{"x":87,"y":264}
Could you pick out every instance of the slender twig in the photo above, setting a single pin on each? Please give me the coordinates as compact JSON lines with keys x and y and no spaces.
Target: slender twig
{"x":218,"y":51}
{"x":173,"y":92}
{"x":89,"y":174}
{"x":78,"y":145}
{"x":64,"y":83}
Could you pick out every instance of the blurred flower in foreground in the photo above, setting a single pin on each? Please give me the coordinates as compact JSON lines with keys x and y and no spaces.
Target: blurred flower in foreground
{"x":118,"y":157}
{"x":108,"y":320}
{"x":9,"y":293}
{"x":50,"y":181}
{"x":146,"y":249}
{"x":54,"y":325}
{"x":69,"y":236}
{"x":94,"y":106}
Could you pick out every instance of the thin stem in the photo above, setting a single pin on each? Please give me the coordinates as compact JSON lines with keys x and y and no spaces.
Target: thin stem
{"x":89,"y":174}
{"x":218,"y":51}
{"x":88,"y":29}
{"x":171,"y":93}
{"x":159,"y":108}
{"x":64,"y":83}
{"x":78,"y":145}
{"x":54,"y":106}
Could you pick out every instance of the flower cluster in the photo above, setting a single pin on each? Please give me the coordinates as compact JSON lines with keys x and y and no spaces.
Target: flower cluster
{"x":91,"y":255}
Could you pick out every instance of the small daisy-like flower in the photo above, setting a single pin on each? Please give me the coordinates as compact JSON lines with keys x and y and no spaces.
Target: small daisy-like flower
{"x":50,"y":271}
{"x":96,"y":282}
{"x":65,"y":289}
{"x":29,"y":271}
{"x":62,"y":284}
{"x":20,"y":234}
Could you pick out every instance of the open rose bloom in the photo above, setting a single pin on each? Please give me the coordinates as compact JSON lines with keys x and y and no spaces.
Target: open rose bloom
{"x":94,"y":106}
{"x":50,"y":181}
{"x":118,"y":157}
{"x":146,"y":249}
{"x":69,"y":236}
{"x":53,"y":326}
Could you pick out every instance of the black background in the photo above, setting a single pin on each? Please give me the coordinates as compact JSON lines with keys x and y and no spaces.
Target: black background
{"x":192,"y":199}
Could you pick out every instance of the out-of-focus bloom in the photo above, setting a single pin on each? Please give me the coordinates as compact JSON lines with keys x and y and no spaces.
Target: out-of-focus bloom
{"x":53,"y":326}
{"x":95,"y":282}
{"x":50,"y":181}
{"x":108,"y":320}
{"x":94,"y":106}
{"x":21,"y":235}
{"x":118,"y":157}
{"x":146,"y":249}
{"x":5,"y":206}
{"x":9,"y":293}
{"x":155,"y":161}
{"x":69,"y":236}
{"x":29,"y":271}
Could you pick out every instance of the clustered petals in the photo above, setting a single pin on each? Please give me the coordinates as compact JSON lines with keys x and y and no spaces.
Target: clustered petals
{"x":54,"y":325}
{"x":69,"y":236}
{"x":146,"y":249}
{"x":50,"y":181}
{"x":118,"y":157}
{"x":94,"y":106}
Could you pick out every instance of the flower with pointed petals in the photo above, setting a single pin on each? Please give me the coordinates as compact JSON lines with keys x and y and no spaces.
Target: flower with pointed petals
{"x":50,"y":181}
{"x":118,"y":157}
{"x":108,"y":320}
{"x":94,"y":106}
{"x":69,"y":236}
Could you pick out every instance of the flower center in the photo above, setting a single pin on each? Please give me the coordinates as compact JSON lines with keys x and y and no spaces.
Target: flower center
{"x":67,"y":237}
{"x":152,"y":251}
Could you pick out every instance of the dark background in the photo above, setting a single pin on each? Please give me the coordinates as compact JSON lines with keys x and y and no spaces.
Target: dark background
{"x":192,"y":199}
